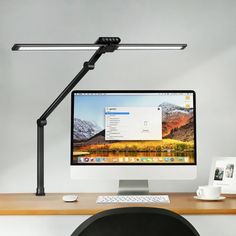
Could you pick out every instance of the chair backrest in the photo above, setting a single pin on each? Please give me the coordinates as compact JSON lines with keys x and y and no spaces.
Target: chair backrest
{"x":136,"y":221}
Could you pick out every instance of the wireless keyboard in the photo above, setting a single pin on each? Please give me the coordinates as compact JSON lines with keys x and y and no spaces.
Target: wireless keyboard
{"x":133,"y":199}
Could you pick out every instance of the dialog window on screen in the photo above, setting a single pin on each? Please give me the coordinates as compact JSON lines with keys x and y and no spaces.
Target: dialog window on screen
{"x":133,"y":123}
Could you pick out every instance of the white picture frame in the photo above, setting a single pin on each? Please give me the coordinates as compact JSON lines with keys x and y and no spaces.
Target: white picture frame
{"x":223,"y":173}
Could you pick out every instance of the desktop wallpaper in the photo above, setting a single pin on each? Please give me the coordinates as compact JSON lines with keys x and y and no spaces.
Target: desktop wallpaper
{"x":89,"y":145}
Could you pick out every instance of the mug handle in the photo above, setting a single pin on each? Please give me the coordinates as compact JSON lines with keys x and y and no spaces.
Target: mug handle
{"x":199,"y":192}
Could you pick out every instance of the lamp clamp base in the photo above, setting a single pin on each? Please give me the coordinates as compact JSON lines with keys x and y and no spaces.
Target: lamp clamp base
{"x":40,"y":191}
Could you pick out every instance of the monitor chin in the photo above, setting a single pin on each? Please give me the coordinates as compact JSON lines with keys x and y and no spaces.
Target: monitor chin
{"x":158,"y":172}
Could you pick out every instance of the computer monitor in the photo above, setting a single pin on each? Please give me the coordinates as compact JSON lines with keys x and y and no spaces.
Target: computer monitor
{"x":133,"y":135}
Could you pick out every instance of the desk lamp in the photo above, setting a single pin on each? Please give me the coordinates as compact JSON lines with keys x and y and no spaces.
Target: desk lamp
{"x":101,"y":46}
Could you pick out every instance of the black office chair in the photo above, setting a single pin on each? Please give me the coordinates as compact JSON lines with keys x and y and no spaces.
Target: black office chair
{"x":136,"y":221}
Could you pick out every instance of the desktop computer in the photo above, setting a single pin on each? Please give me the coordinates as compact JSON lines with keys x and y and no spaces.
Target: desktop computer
{"x":133,"y":136}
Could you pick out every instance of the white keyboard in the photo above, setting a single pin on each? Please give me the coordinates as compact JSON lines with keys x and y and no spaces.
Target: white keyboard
{"x":133,"y":199}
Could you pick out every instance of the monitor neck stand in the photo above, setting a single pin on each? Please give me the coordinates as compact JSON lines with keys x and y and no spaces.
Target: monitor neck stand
{"x":133,"y":187}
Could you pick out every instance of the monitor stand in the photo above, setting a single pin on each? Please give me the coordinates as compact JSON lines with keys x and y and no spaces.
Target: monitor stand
{"x":133,"y":187}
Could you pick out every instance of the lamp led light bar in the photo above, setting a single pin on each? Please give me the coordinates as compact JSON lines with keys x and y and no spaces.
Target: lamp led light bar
{"x":94,"y":47}
{"x":55,"y":47}
{"x":151,"y":46}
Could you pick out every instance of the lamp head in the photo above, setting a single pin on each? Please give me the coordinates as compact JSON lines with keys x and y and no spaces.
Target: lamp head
{"x":105,"y":44}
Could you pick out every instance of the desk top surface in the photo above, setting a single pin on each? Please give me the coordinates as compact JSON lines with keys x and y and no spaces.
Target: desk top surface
{"x":52,"y":204}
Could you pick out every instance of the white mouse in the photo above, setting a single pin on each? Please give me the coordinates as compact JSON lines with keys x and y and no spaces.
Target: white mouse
{"x":70,"y":198}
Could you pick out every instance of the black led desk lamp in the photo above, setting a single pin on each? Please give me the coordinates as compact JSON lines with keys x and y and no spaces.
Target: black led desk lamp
{"x":101,"y":46}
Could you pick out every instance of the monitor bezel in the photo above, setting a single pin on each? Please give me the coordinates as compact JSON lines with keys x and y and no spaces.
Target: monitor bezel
{"x":132,"y":91}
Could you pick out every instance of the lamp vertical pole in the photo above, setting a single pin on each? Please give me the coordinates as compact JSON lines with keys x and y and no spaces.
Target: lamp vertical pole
{"x":40,"y":160}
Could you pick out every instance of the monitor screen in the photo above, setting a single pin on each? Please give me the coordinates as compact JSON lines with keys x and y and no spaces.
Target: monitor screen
{"x":133,"y":128}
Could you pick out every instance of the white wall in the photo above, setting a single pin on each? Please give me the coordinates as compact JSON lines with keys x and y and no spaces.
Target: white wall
{"x":29,"y":81}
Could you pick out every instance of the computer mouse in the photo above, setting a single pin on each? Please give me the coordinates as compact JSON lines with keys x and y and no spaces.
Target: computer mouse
{"x":70,"y":198}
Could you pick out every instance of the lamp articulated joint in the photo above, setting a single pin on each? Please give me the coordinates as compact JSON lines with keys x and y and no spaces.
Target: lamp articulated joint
{"x":89,"y":66}
{"x":108,"y":48}
{"x":110,"y":44}
{"x":41,"y":122}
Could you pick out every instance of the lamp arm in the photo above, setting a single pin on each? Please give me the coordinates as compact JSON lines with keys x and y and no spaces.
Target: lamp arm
{"x":42,"y":121}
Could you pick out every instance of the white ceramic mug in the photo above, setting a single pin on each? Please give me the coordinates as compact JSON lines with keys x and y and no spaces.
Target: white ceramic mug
{"x":209,"y":192}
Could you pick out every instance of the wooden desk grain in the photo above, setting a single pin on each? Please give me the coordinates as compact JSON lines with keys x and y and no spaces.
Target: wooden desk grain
{"x":52,"y":204}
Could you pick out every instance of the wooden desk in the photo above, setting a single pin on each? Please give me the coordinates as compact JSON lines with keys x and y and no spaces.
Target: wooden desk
{"x":26,"y":214}
{"x":52,"y":204}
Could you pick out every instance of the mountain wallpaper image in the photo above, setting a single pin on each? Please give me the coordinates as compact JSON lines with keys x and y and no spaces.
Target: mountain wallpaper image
{"x":177,"y":137}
